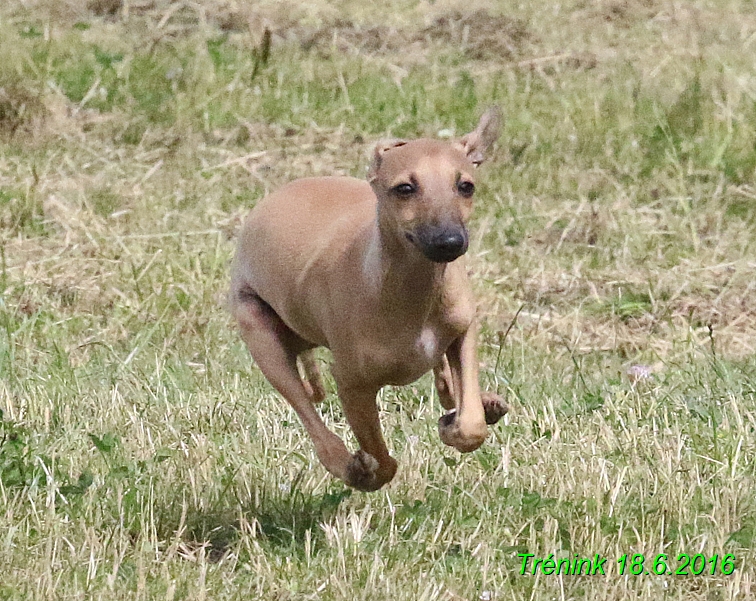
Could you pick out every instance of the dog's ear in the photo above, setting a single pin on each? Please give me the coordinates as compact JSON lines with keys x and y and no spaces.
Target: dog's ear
{"x":380,"y":149}
{"x":475,"y":144}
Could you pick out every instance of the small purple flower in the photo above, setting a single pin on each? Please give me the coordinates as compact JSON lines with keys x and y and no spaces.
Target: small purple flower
{"x":636,"y":373}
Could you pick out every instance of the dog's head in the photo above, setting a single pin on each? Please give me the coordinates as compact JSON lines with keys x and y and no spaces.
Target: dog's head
{"x":425,"y":189}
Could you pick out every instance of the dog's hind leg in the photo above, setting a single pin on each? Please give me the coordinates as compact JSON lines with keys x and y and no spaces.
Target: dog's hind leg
{"x":274,"y":347}
{"x":313,"y":381}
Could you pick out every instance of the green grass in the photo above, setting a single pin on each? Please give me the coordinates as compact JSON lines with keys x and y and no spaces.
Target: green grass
{"x":143,"y":456}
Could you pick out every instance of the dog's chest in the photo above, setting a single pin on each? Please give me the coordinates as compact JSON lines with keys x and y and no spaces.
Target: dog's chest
{"x":405,"y":358}
{"x":400,"y":352}
{"x":426,"y":344}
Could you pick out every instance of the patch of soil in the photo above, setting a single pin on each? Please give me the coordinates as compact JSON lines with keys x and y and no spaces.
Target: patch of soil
{"x":232,"y":20}
{"x":480,"y":35}
{"x":20,"y":107}
{"x":626,"y":13}
{"x":483,"y":36}
{"x":105,"y":8}
{"x":347,"y":36}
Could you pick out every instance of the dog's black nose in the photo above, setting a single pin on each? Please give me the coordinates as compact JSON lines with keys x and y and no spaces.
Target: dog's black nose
{"x":444,"y":244}
{"x":451,"y":243}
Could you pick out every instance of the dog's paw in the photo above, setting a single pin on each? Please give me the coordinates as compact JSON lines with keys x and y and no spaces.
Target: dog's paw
{"x":494,"y":406}
{"x":452,"y":435}
{"x":362,"y":472}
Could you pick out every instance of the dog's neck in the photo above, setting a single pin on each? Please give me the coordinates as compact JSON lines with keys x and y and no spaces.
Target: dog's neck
{"x":405,"y":282}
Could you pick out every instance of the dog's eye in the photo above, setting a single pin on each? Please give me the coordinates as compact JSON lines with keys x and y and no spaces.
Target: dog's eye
{"x":404,"y":190}
{"x":466,"y":188}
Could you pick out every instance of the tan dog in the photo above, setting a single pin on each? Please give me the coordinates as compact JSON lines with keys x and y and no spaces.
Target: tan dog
{"x":372,"y":271}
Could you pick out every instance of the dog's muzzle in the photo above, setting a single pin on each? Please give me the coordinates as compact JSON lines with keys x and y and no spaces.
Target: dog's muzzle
{"x":440,"y":244}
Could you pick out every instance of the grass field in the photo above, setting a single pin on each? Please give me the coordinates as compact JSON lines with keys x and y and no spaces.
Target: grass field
{"x":143,"y":456}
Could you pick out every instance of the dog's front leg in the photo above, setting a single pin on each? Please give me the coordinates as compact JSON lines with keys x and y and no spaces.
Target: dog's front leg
{"x":444,"y":384}
{"x":465,"y":427}
{"x":372,"y":466}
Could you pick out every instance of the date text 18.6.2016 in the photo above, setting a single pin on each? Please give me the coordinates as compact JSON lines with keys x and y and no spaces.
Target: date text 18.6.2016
{"x":631,"y":565}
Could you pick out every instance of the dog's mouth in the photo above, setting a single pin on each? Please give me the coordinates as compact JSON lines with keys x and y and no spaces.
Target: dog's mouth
{"x":439,"y":244}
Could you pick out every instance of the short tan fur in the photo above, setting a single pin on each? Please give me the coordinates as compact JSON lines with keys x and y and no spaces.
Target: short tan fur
{"x":375,"y":272}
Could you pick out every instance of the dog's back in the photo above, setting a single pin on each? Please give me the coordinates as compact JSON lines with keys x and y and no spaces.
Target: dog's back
{"x":313,"y":226}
